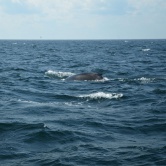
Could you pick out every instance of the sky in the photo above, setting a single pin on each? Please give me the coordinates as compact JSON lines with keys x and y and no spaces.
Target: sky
{"x":82,"y":19}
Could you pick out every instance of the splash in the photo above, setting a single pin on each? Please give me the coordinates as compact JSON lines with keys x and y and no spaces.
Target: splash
{"x":102,"y":80}
{"x":65,"y":103}
{"x":100,"y":95}
{"x":146,"y":49}
{"x":145,"y":80}
{"x":59,"y":74}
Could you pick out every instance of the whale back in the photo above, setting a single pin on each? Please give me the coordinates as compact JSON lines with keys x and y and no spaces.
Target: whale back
{"x":86,"y":76}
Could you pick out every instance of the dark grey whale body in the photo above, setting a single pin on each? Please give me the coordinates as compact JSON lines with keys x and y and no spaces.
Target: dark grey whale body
{"x":85,"y":77}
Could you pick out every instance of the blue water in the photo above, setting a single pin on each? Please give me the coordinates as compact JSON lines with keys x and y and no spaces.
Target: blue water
{"x":48,"y":121}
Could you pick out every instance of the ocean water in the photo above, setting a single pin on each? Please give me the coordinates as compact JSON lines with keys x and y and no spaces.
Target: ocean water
{"x":48,"y":121}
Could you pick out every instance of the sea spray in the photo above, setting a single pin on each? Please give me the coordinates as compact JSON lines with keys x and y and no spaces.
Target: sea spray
{"x":102,"y":95}
{"x":58,"y":74}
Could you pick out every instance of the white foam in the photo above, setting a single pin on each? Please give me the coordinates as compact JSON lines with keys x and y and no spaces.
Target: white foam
{"x":32,"y":102}
{"x":146,"y":49}
{"x":38,"y":103}
{"x":27,"y":101}
{"x":75,"y":104}
{"x":99,"y":95}
{"x":58,"y":73}
{"x":105,"y":79}
{"x":144,"y":79}
{"x":122,"y":79}
{"x":71,"y":104}
{"x":102,"y":80}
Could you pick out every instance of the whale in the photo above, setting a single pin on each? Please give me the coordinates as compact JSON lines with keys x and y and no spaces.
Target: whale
{"x":85,"y":77}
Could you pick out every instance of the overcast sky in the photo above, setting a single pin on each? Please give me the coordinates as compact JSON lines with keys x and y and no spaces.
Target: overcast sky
{"x":82,"y":19}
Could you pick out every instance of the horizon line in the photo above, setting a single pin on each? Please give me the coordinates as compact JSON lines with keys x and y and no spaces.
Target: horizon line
{"x":92,"y":39}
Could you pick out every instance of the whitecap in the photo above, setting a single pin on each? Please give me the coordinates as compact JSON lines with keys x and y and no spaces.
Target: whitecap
{"x":41,"y":104}
{"x":75,"y":104}
{"x":58,"y":73}
{"x":100,"y":95}
{"x":37,"y":103}
{"x":102,"y":80}
{"x":28,"y":101}
{"x":122,"y":79}
{"x":144,"y":79}
{"x":105,"y":79}
{"x":146,"y":49}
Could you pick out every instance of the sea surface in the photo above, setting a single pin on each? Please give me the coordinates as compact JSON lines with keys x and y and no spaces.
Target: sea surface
{"x":48,"y":121}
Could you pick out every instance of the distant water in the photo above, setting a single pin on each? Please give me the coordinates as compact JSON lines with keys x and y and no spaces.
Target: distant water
{"x":47,"y":121}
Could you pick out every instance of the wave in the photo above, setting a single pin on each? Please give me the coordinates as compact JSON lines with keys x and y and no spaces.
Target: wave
{"x":7,"y":127}
{"x":33,"y":102}
{"x":146,"y":49}
{"x":160,"y":91}
{"x":102,"y":80}
{"x":58,"y":74}
{"x":102,"y":95}
{"x":73,"y":100}
{"x":144,"y":79}
{"x":63,"y":103}
{"x":141,"y":79}
{"x":50,"y":135}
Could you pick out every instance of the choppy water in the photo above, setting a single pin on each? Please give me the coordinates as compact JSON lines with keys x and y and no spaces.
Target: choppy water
{"x":120,"y":120}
